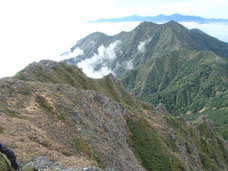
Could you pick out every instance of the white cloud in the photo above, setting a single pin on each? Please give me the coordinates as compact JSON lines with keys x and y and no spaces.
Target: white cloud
{"x":76,"y":52}
{"x":129,"y":65}
{"x":104,"y":56}
{"x":90,"y":72}
{"x":24,"y":46}
{"x":73,"y":54}
{"x":34,"y":30}
{"x":142,"y":45}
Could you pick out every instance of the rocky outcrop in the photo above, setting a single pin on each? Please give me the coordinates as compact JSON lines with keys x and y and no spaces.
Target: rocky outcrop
{"x":42,"y":163}
{"x":106,"y":129}
{"x":81,"y":122}
{"x":205,"y":119}
{"x":161,"y":108}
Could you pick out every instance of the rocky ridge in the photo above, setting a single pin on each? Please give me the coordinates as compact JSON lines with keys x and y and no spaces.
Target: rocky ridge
{"x":92,"y":118}
{"x":103,"y":127}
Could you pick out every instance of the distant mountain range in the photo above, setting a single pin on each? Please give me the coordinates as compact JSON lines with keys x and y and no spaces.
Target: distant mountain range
{"x":162,"y":19}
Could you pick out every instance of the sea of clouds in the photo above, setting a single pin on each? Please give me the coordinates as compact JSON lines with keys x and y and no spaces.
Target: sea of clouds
{"x":217,"y":30}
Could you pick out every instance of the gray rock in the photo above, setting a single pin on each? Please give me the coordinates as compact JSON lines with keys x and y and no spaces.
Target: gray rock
{"x":98,"y":120}
{"x":161,"y":108}
{"x":42,"y":163}
{"x":172,"y":133}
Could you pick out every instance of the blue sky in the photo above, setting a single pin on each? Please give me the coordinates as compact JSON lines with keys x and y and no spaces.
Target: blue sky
{"x":32,"y":30}
{"x":204,"y":8}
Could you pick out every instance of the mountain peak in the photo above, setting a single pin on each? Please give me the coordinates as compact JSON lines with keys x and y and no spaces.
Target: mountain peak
{"x":150,"y":25}
{"x":97,"y":34}
{"x":176,"y":14}
{"x":173,"y":23}
{"x":146,"y":25}
{"x":176,"y":26}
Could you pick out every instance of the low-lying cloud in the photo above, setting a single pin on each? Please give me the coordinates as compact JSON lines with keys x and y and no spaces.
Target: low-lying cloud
{"x":129,"y":65}
{"x":101,"y":59}
{"x":142,"y":45}
{"x":90,"y":72}
{"x":73,"y":54}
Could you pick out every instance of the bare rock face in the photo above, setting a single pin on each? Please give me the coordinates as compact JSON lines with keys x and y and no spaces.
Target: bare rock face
{"x":205,"y":119}
{"x":42,"y":163}
{"x":106,"y":128}
{"x":59,"y":115}
{"x":161,"y":108}
{"x":86,"y":130}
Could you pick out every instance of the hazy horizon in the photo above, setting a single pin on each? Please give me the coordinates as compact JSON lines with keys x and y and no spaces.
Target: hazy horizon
{"x":53,"y":51}
{"x":35,"y":30}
